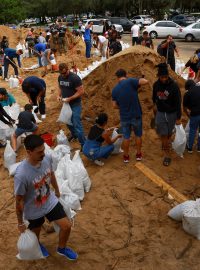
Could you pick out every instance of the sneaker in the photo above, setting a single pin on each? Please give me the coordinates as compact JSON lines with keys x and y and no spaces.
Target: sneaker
{"x":43,"y":116}
{"x":45,"y":252}
{"x":139,"y":157}
{"x":189,"y":149}
{"x":99,"y":162}
{"x":126,"y":159}
{"x":68,"y":253}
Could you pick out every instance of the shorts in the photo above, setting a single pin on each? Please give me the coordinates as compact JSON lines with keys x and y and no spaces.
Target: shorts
{"x":135,"y":124}
{"x":55,"y":214}
{"x":20,"y":131}
{"x":165,"y":123}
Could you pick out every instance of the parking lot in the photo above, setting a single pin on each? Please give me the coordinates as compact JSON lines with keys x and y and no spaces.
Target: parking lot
{"x":186,"y":49}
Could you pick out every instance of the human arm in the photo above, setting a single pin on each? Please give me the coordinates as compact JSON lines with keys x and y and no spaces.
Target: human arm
{"x":142,"y":81}
{"x":79,"y":93}
{"x":177,"y":52}
{"x":54,"y":184}
{"x":152,"y":45}
{"x":107,"y":136}
{"x":3,"y":114}
{"x":19,"y":212}
{"x":19,"y":62}
{"x":48,"y":56}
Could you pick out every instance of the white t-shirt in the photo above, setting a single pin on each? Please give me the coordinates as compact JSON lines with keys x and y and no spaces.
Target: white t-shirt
{"x":135,"y":30}
{"x":102,"y":39}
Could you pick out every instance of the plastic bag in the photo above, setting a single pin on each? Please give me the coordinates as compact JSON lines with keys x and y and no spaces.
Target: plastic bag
{"x":14,"y":111}
{"x":9,"y":156}
{"x":28,"y":246}
{"x":65,"y":114}
{"x":117,"y":143}
{"x":179,"y":143}
{"x":62,"y":138}
{"x":176,"y":212}
{"x":82,"y":171}
{"x":12,"y":168}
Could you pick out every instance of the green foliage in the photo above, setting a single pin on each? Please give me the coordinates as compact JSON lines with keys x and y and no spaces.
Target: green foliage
{"x":11,"y":11}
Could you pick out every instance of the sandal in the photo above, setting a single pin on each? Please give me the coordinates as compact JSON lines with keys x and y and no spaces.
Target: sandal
{"x":167,"y":161}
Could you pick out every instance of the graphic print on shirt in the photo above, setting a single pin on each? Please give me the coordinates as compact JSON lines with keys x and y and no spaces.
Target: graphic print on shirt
{"x":163,"y":95}
{"x":64,"y":83}
{"x":42,"y":188}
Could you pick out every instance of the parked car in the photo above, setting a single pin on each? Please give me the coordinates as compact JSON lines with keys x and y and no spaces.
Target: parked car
{"x":98,"y":26}
{"x":190,"y":32}
{"x":161,"y":29}
{"x":123,"y":21}
{"x":143,"y":20}
{"x":184,"y":20}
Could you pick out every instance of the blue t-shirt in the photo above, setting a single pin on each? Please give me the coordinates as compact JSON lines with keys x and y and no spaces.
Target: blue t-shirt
{"x":125,"y":93}
{"x":36,"y":85}
{"x":40,"y":47}
{"x":9,"y":101}
{"x":87,"y":34}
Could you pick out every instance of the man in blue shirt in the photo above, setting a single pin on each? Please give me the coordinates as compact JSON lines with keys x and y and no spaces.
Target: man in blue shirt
{"x":40,"y":48}
{"x":125,"y":98}
{"x":10,"y":54}
{"x":87,"y":39}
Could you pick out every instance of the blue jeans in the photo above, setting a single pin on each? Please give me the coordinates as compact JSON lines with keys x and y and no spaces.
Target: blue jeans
{"x":40,"y":61}
{"x":93,"y":150}
{"x":134,"y":124}
{"x":77,"y":129}
{"x":194,"y":126}
{"x":88,"y":48}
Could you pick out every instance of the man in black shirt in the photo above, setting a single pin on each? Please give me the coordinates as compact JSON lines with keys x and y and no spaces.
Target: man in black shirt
{"x":167,"y":108}
{"x":62,"y":40}
{"x":70,"y":91}
{"x":191,"y":106}
{"x":145,"y":40}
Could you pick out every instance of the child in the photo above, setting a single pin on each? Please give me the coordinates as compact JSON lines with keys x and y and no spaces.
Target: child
{"x":26,"y":123}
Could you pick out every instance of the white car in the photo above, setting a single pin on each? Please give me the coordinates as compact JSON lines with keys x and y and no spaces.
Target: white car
{"x":190,"y":32}
{"x":98,"y":26}
{"x":143,"y":20}
{"x":161,"y":29}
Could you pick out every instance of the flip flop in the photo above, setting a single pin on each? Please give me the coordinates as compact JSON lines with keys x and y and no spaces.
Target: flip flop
{"x":167,"y":161}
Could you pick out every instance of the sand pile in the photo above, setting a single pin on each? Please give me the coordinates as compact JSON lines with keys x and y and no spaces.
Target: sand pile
{"x":137,"y":61}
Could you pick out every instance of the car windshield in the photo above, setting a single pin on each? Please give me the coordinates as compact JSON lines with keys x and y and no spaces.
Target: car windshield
{"x":189,"y":18}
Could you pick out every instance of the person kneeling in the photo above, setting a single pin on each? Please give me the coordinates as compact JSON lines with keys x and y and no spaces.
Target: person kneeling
{"x":97,"y":135}
{"x":26,"y":123}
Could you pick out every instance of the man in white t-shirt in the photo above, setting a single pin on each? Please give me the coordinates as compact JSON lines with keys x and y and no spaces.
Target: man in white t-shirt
{"x":135,"y":32}
{"x":102,"y":44}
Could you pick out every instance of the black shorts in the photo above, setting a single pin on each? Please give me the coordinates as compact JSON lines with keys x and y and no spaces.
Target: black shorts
{"x":56,"y":213}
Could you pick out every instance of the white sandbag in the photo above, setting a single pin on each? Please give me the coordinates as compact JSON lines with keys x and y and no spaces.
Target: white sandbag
{"x":58,"y":153}
{"x":187,"y":130}
{"x":180,"y":140}
{"x":117,"y":143}
{"x":12,"y":168}
{"x":82,"y":171}
{"x":9,"y":132}
{"x":176,"y":212}
{"x":9,"y":156}
{"x":65,"y":114}
{"x":14,"y":110}
{"x":62,"y":138}
{"x":28,"y":246}
{"x":191,"y":219}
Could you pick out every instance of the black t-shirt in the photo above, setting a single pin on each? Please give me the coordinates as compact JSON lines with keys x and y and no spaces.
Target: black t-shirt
{"x":96,"y":134}
{"x":26,"y":120}
{"x":115,"y":47}
{"x":68,"y":86}
{"x":148,"y":41}
{"x":193,"y":66}
{"x":191,"y":100}
{"x":170,"y":49}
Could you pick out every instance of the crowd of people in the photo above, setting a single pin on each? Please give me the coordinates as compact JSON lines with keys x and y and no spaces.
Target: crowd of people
{"x":35,"y":173}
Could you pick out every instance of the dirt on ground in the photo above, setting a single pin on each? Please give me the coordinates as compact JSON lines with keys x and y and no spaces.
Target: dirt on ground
{"x":123,"y":224}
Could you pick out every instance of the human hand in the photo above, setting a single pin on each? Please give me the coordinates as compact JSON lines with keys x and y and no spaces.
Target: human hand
{"x":66,"y":100}
{"x":59,"y":98}
{"x":30,"y":101}
{"x":22,"y":228}
{"x":38,"y":99}
{"x":120,"y":135}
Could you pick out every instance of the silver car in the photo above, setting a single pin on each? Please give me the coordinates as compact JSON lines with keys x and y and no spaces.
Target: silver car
{"x":190,"y":32}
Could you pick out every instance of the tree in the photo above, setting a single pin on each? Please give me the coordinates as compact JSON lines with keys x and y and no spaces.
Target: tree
{"x":11,"y":11}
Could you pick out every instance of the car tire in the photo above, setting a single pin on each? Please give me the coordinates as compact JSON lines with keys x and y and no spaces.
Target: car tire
{"x":153,"y":34}
{"x":189,"y":37}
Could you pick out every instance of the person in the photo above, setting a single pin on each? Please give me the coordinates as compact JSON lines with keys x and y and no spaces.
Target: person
{"x":62,"y":40}
{"x":102,"y":44}
{"x":145,"y":40}
{"x":166,"y":49}
{"x":47,"y":56}
{"x":191,"y":106}
{"x":10,"y":54}
{"x":193,"y":63}
{"x":135,"y":32}
{"x":4,"y":43}
{"x":115,"y":47}
{"x":125,"y":98}
{"x":30,"y":42}
{"x":165,"y":16}
{"x":35,"y":89}
{"x":39,"y":48}
{"x":71,"y":89}
{"x":87,"y":39}
{"x":6,"y":99}
{"x":48,"y":34}
{"x":167,"y":108}
{"x":98,"y":134}
{"x":35,"y":200}
{"x":6,"y":119}
{"x":42,"y":38}
{"x":26,"y":123}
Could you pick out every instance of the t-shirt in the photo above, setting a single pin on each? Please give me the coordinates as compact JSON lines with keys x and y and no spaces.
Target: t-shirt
{"x":87,"y":34}
{"x":36,"y":85}
{"x":9,"y":101}
{"x":42,"y":39}
{"x":40,"y":47}
{"x":26,"y":120}
{"x":68,"y":86}
{"x":102,"y":39}
{"x":148,"y":41}
{"x":96,"y":134}
{"x":171,"y":47}
{"x":125,"y":93}
{"x":34,"y":184}
{"x":191,"y":100}
{"x":135,"y":30}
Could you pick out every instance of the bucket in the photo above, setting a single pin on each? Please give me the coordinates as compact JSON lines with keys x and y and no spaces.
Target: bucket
{"x":54,"y":67}
{"x":48,"y":138}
